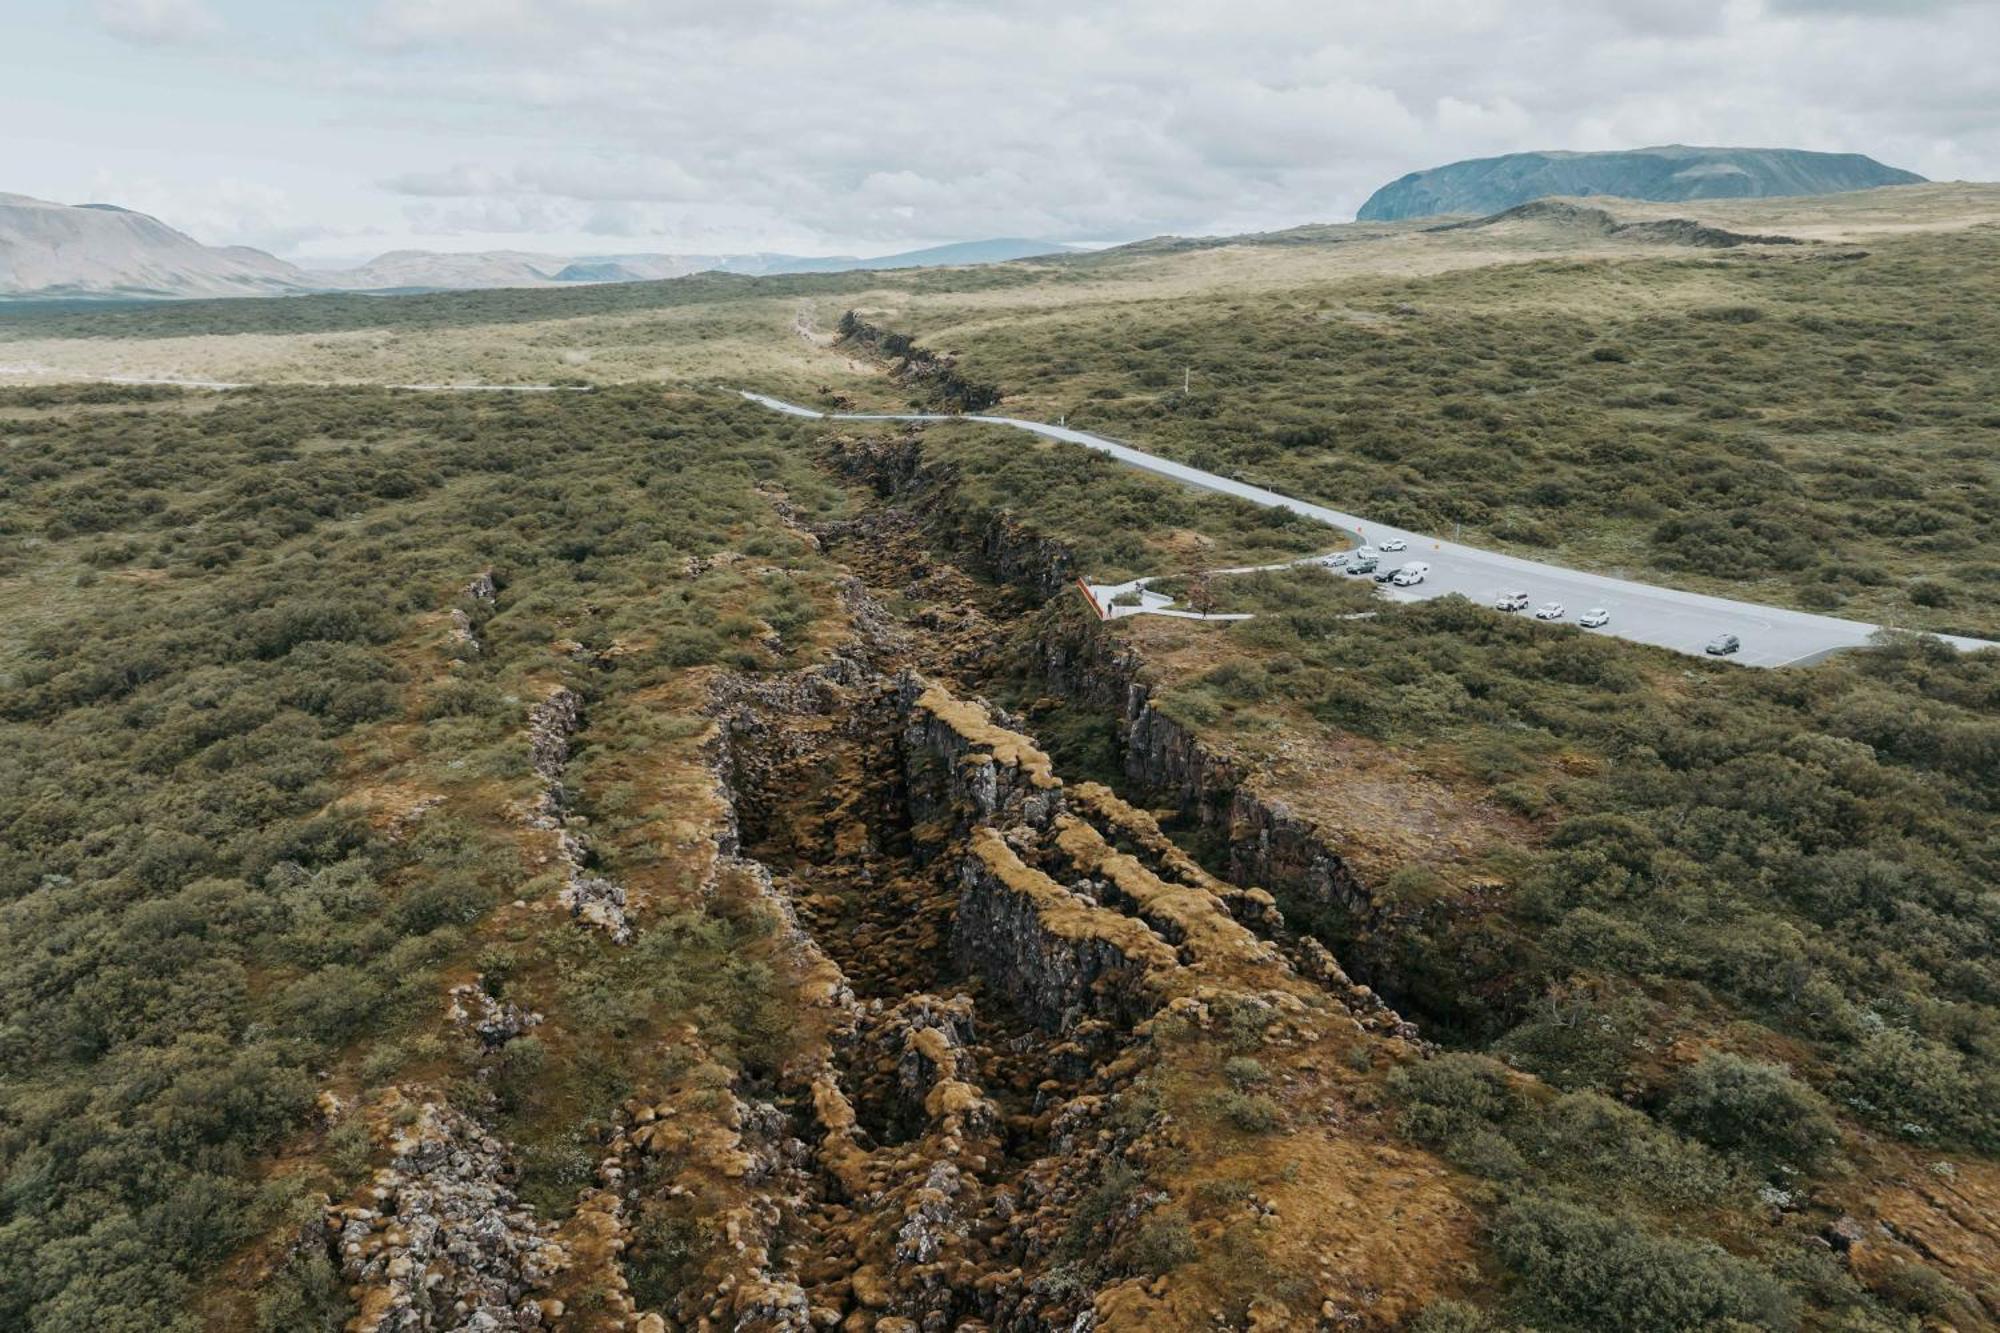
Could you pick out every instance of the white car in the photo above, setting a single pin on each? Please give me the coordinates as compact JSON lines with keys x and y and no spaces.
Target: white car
{"x":1511,"y":601}
{"x":1338,"y":559}
{"x":1410,"y":575}
{"x":1366,"y":553}
{"x":1594,"y":617}
{"x":1549,"y":611}
{"x":1395,"y":544}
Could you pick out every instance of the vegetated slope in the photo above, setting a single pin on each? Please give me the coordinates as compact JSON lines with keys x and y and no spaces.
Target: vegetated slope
{"x":1807,"y":425}
{"x":484,"y":861}
{"x":1563,"y":220}
{"x":56,"y":250}
{"x":1696,"y":1087}
{"x":264,"y":683}
{"x":546,"y":854}
{"x":1674,"y":172}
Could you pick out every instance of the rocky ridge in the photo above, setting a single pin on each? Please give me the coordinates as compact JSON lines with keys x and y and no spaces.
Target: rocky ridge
{"x":591,"y":899}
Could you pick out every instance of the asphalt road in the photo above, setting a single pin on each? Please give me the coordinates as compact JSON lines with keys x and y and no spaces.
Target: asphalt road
{"x":1643,"y":612}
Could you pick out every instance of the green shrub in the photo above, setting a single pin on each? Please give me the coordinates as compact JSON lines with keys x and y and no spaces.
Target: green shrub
{"x":1756,"y":1111}
{"x":1584,"y":1269}
{"x":1448,"y":1095}
{"x":1165,"y":1241}
{"x":1251,"y":1112}
{"x":1923,"y":1090}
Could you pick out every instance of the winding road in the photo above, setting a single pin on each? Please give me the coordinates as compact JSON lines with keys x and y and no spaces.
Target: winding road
{"x":1642,"y":612}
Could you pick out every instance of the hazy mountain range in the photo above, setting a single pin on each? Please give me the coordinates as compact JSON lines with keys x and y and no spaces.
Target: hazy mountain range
{"x":1670,"y":174}
{"x":50,"y":250}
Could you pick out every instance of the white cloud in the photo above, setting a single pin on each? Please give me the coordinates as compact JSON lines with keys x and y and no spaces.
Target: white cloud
{"x":156,"y":22}
{"x":223,"y":211}
{"x":858,"y":124}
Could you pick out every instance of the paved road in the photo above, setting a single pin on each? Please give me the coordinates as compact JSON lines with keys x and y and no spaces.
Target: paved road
{"x":1666,"y":617}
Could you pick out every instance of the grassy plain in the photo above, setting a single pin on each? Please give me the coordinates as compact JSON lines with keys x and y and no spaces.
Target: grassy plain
{"x":1809,"y":424}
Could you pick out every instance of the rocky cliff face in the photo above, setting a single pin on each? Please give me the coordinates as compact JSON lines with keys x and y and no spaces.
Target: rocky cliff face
{"x":1003,"y":944}
{"x":932,"y":377}
{"x":1267,"y":843}
{"x":591,"y":899}
{"x":993,"y":541}
{"x":997,"y":984}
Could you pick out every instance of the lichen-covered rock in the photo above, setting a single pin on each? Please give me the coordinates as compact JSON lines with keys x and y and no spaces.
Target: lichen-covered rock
{"x":494,"y":1023}
{"x":1057,"y":958}
{"x":961,"y":768}
{"x":439,"y":1240}
{"x":591,"y":899}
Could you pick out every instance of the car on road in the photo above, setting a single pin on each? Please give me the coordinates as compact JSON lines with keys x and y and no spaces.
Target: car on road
{"x":1511,"y":601}
{"x":1362,"y":566}
{"x":1387,"y":575}
{"x":1594,"y":617}
{"x":1366,"y":553}
{"x":1723,"y":644}
{"x":1338,"y":558}
{"x":1395,"y":544}
{"x":1410,"y":575}
{"x":1549,"y":611}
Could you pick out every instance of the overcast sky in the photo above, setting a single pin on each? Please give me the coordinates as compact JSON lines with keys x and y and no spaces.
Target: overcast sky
{"x":321,"y":128}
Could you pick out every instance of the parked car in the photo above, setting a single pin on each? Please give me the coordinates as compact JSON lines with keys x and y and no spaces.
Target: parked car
{"x":1338,"y":558}
{"x":1549,"y":611}
{"x":1511,"y":601}
{"x":1362,"y":567}
{"x":1385,"y":575}
{"x":1366,"y":553}
{"x":1594,"y":617}
{"x":1395,"y":544}
{"x":1410,"y":575}
{"x":1723,"y":644}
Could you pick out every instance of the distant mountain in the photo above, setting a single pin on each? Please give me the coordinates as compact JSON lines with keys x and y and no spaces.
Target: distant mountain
{"x":432,"y":270}
{"x":597,"y":270}
{"x":99,"y":250}
{"x":1674,"y":173}
{"x":962,"y":252}
{"x":51,"y":250}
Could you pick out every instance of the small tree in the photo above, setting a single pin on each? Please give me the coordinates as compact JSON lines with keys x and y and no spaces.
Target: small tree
{"x":1200,"y":594}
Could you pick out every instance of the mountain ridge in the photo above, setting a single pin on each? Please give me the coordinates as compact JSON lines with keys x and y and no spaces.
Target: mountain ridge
{"x":52,"y":251}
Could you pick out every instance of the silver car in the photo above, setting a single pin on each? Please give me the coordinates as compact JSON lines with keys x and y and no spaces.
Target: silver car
{"x":1594,"y":617}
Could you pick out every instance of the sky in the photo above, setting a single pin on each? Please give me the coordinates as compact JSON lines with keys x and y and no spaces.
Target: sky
{"x":327,"y":130}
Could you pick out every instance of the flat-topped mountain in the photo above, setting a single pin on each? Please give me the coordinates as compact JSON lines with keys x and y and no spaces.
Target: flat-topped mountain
{"x":1671,"y":174}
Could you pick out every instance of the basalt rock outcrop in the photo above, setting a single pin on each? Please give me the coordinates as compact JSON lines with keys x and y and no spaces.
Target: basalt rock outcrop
{"x":933,"y":377}
{"x":998,"y":947}
{"x":438,"y":1240}
{"x":492,"y":1022}
{"x":1267,"y":843}
{"x":591,"y":899}
{"x":993,"y":541}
